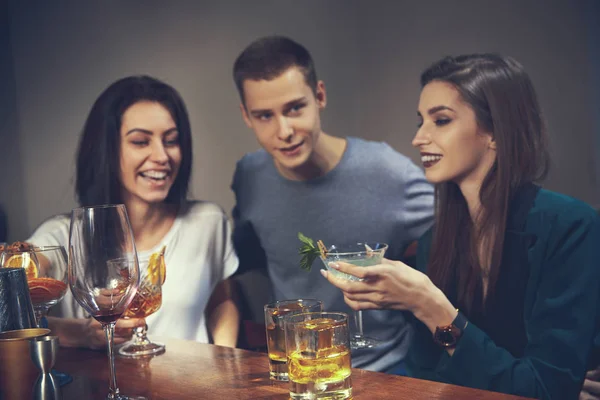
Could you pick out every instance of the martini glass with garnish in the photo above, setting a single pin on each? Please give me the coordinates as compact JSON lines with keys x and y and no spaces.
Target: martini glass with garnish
{"x":358,"y":254}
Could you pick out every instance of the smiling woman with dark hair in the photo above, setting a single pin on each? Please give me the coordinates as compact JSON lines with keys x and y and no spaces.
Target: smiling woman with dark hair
{"x":136,"y":149}
{"x":507,"y":285}
{"x":100,"y":157}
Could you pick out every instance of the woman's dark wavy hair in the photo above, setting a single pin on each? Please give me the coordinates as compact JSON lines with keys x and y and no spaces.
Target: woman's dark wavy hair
{"x":502,"y":96}
{"x":98,"y":164}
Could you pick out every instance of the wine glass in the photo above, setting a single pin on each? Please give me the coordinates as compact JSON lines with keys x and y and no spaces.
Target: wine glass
{"x":362,"y":255}
{"x":103,"y":269}
{"x":146,"y":302}
{"x":46,"y":270}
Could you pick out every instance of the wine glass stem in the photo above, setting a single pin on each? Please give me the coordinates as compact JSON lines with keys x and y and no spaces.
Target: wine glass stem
{"x":140,"y":334}
{"x":113,"y":390}
{"x":40,"y":315}
{"x":358,"y":322}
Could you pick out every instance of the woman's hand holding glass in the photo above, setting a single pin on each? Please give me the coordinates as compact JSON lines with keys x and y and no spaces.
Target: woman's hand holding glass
{"x":394,"y":285}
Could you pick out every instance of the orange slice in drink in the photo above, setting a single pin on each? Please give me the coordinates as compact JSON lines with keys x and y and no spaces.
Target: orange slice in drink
{"x":156,"y":267}
{"x":23,"y":260}
{"x":43,"y":290}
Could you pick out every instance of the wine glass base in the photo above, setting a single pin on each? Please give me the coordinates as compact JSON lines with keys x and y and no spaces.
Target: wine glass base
{"x":362,"y":342}
{"x":132,"y":349}
{"x":62,"y":377}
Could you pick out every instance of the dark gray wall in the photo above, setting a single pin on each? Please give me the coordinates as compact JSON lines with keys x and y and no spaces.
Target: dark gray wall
{"x":12,"y":193}
{"x":592,"y":11}
{"x":62,"y":54}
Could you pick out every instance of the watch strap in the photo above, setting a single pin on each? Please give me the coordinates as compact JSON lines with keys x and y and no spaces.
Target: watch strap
{"x":460,"y":321}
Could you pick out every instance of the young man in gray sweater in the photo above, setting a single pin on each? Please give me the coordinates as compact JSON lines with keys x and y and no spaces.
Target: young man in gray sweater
{"x":339,"y":190}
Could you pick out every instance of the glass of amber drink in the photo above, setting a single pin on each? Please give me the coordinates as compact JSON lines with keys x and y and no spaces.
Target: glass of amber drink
{"x":318,"y":356}
{"x":274,"y":314}
{"x":146,"y":302}
{"x":46,"y":270}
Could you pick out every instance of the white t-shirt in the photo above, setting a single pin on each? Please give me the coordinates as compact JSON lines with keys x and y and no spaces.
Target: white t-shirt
{"x":198,"y":256}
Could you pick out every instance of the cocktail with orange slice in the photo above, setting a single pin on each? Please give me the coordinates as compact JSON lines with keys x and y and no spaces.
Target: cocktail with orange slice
{"x":46,"y":270}
{"x":146,"y":302}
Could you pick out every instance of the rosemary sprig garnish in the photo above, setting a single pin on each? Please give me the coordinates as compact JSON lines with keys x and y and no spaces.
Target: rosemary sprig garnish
{"x":309,"y":251}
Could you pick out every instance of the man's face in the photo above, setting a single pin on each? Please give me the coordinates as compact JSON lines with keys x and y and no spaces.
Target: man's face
{"x":284,"y":115}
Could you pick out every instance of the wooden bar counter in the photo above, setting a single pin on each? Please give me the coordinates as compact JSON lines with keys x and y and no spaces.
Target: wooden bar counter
{"x":190,"y":370}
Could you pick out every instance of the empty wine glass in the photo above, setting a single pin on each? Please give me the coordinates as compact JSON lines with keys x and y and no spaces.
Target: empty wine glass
{"x":104,"y":288}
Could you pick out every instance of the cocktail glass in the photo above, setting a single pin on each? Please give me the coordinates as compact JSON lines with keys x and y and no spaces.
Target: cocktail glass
{"x":46,"y":270}
{"x":146,"y":302}
{"x":362,"y":255}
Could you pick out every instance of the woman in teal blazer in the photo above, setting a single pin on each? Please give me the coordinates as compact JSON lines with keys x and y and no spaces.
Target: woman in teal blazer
{"x":507,"y":287}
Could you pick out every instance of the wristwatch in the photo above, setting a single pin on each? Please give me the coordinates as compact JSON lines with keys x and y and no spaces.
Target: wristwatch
{"x":447,"y":336}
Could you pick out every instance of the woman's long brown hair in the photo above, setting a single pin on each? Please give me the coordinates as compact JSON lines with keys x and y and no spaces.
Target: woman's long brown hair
{"x":505,"y":103}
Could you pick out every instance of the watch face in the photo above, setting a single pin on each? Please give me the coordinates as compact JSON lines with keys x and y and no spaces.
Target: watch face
{"x":447,"y":336}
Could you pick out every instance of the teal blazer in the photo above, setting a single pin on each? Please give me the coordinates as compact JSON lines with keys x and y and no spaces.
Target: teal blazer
{"x":556,"y":239}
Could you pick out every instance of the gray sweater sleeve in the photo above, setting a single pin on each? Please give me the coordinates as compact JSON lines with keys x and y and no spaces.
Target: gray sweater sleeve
{"x":418,"y":202}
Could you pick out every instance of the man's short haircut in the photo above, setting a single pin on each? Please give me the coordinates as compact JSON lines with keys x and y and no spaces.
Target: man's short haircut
{"x":268,"y":57}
